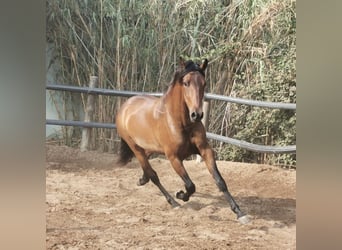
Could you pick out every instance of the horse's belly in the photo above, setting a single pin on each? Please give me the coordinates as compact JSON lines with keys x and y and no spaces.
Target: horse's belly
{"x":145,"y":138}
{"x":148,"y":145}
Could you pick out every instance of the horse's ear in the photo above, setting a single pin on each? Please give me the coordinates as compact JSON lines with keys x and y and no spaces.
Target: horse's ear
{"x":204,"y":65}
{"x":181,"y":62}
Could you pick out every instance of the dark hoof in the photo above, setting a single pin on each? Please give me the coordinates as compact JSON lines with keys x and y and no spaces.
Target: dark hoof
{"x":182,"y":196}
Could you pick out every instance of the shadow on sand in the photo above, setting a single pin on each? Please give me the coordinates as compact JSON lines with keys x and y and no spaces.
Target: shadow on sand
{"x":282,"y":210}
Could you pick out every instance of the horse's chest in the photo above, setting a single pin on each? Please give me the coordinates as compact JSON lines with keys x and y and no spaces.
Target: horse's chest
{"x":181,"y":144}
{"x":176,"y":138}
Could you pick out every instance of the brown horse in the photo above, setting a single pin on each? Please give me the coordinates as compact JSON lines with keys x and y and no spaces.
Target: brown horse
{"x":171,"y":125}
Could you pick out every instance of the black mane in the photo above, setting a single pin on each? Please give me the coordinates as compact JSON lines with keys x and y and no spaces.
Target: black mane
{"x":189,"y":66}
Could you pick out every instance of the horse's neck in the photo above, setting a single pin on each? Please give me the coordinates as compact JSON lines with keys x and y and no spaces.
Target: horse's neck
{"x":175,"y":106}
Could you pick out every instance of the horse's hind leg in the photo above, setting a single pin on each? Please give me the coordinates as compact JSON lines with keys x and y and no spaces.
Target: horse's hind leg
{"x":144,"y":179}
{"x":148,"y":171}
{"x":150,"y":174}
{"x":155,"y":179}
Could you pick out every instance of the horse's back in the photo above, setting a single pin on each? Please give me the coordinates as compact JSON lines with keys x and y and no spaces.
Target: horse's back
{"x":136,"y":109}
{"x":137,"y":103}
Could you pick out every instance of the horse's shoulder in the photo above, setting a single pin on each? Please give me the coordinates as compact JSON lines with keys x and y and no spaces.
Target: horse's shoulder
{"x":159,"y":109}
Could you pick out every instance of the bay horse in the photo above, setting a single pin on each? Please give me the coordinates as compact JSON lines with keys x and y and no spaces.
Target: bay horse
{"x":171,"y":125}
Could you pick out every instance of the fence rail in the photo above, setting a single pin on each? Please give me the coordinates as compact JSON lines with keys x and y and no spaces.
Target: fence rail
{"x":207,"y":96}
{"x":80,"y":124}
{"x":246,"y":145}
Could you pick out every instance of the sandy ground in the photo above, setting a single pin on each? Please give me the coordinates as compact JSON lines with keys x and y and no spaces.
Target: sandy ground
{"x":93,"y":204}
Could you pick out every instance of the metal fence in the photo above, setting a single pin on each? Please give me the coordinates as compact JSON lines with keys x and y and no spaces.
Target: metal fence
{"x":208,"y":96}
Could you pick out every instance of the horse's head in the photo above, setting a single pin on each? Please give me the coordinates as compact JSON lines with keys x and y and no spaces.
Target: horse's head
{"x":192,"y":79}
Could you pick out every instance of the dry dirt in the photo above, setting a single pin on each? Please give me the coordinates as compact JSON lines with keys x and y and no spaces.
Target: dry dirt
{"x":93,"y":204}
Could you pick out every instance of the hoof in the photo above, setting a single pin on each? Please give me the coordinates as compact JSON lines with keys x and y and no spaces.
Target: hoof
{"x":182,"y":196}
{"x":244,"y":219}
{"x":175,"y":204}
{"x":142,"y":181}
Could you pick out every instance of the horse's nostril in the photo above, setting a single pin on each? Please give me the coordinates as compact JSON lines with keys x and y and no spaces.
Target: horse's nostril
{"x":196,"y":116}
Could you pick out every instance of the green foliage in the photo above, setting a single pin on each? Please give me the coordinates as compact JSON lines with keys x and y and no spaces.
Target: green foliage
{"x":135,"y":45}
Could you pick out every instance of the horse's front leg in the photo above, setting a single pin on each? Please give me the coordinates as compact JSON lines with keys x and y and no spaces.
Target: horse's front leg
{"x":190,"y":188}
{"x":208,"y":156}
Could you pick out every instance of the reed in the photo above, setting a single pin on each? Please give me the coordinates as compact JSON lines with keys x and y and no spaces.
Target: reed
{"x":135,"y":45}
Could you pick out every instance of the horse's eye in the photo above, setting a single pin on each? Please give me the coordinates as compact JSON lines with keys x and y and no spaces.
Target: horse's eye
{"x":186,"y":84}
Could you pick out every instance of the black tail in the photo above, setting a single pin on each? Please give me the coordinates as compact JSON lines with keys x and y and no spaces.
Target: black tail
{"x":125,"y":153}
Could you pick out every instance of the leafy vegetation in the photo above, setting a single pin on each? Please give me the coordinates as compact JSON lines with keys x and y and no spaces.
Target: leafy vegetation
{"x":135,"y":45}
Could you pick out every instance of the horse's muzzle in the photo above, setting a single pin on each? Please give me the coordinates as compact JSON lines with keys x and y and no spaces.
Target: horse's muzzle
{"x":196,"y":117}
